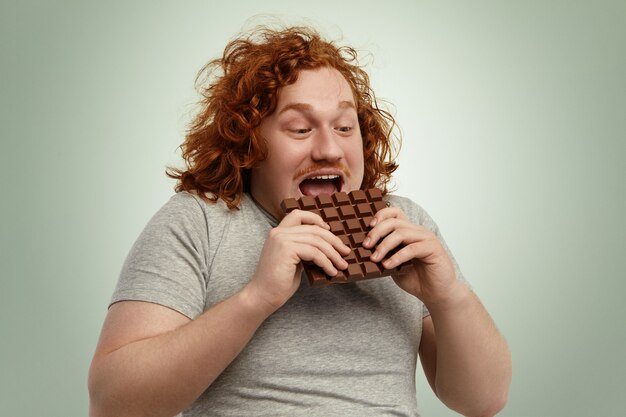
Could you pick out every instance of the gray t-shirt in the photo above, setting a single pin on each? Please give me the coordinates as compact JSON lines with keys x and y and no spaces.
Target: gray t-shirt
{"x":347,"y":350}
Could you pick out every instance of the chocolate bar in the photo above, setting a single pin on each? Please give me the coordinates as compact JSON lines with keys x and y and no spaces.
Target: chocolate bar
{"x":349,"y":216}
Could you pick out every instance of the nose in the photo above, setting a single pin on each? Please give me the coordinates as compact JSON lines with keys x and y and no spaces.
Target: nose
{"x":326,"y":146}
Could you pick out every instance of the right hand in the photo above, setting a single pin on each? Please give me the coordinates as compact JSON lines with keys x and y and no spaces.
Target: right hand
{"x":300,"y":236}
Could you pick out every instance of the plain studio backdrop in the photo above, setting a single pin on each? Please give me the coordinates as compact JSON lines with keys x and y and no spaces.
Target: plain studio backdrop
{"x":513,"y":119}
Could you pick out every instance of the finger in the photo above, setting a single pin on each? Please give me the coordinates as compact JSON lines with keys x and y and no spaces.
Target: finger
{"x":387,"y":213}
{"x":329,"y":251}
{"x":384,"y":228}
{"x":312,"y":254}
{"x":322,"y":239}
{"x":422,"y":250}
{"x":400,"y":236}
{"x":303,"y":230}
{"x":297,"y":217}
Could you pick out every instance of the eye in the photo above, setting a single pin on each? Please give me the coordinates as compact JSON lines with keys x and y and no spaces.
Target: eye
{"x":345,"y":129}
{"x":303,"y":131}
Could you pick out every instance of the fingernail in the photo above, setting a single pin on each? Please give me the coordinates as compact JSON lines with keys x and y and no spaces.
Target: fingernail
{"x":367,"y":241}
{"x":373,"y":222}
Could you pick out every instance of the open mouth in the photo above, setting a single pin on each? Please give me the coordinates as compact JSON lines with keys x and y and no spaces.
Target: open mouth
{"x":321,"y":184}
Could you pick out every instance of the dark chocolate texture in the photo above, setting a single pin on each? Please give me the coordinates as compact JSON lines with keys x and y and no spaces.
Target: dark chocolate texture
{"x":349,"y":216}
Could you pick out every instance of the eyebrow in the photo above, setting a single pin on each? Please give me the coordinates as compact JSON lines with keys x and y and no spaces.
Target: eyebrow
{"x":307,"y":108}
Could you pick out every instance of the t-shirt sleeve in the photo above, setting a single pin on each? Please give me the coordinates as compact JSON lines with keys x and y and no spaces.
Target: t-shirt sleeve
{"x":418,"y":215}
{"x":167,"y":264}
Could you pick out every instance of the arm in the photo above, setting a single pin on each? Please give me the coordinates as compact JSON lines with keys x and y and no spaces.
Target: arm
{"x":146,"y":350}
{"x":466,"y":360}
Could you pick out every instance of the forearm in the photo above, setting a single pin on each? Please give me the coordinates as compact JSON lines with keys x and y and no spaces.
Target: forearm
{"x":161,"y":375}
{"x":473,"y":364}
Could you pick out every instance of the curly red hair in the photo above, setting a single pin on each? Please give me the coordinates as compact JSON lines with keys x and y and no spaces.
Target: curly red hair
{"x":223,"y":142}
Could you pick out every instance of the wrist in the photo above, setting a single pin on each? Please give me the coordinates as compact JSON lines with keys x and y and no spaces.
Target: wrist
{"x":253,"y":301}
{"x":458,"y":297}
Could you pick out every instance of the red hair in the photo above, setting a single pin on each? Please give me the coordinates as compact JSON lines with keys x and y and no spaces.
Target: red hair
{"x":223,"y":142}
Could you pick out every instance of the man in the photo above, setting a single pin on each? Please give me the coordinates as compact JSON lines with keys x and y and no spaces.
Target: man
{"x":211,"y":317}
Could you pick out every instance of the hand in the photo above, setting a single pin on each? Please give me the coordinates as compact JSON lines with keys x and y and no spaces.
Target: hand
{"x":300,"y":236}
{"x":433,"y":279}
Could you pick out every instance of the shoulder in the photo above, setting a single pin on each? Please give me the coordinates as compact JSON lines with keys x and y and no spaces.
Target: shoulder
{"x":185,"y":215}
{"x":185,"y":205}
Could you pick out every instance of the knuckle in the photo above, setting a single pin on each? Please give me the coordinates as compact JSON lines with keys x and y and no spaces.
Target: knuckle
{"x":412,"y":250}
{"x":319,"y":241}
{"x":382,"y":246}
{"x":395,"y":257}
{"x":319,"y":256}
{"x":308,"y":254}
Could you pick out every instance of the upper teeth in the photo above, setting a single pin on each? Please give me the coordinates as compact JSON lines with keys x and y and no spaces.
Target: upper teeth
{"x":324,"y":177}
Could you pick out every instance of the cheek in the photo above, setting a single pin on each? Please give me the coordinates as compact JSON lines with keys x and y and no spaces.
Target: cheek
{"x":354,"y":159}
{"x":354,"y":154}
{"x":290,"y":155}
{"x":284,"y":162}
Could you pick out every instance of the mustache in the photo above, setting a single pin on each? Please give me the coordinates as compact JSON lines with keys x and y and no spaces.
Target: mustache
{"x":316,"y":167}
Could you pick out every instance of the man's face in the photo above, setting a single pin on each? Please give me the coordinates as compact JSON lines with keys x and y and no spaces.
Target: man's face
{"x":314,"y":141}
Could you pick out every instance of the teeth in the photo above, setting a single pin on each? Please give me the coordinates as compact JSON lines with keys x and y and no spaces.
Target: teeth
{"x":324,"y":177}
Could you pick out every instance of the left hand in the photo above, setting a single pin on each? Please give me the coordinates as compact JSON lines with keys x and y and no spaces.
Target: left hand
{"x":433,"y":280}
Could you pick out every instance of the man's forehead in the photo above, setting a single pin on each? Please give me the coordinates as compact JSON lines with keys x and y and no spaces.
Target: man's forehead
{"x":322,"y":85}
{"x":308,"y":108}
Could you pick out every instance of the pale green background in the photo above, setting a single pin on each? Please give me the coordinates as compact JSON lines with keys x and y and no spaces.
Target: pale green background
{"x":513,"y":116}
